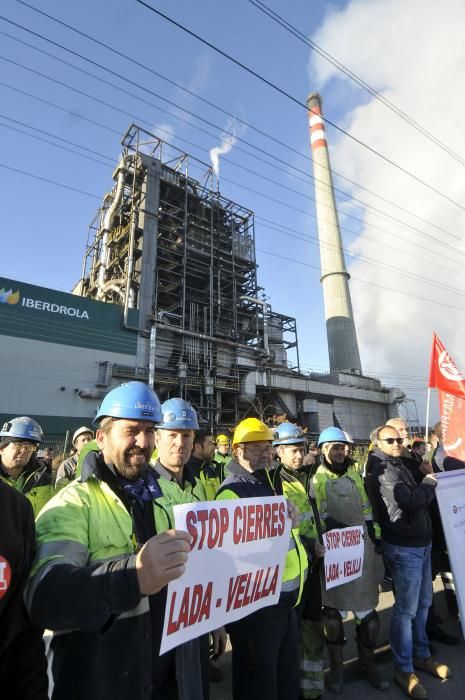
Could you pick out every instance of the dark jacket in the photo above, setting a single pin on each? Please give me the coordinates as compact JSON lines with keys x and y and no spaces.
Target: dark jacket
{"x":400,"y":505}
{"x":23,"y":667}
{"x":66,"y":471}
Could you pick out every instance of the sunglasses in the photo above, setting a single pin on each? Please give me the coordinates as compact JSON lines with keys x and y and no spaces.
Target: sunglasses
{"x":391,"y":441}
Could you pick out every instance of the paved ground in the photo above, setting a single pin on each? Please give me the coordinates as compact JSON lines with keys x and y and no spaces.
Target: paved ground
{"x":355,"y":688}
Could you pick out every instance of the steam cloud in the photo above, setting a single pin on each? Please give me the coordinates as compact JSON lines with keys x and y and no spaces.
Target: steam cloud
{"x":395,"y":330}
{"x":227,"y":142}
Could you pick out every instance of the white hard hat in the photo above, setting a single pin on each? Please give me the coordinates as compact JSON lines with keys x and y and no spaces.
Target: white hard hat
{"x":81,"y":431}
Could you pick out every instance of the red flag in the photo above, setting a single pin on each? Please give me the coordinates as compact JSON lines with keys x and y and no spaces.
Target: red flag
{"x":443,"y":374}
{"x":452,"y":409}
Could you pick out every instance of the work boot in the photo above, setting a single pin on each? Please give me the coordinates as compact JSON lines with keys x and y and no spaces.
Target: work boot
{"x":433,"y":667}
{"x":367,"y":665}
{"x":335,"y":679}
{"x":367,"y":633}
{"x":438,"y":634}
{"x":451,"y":603}
{"x":410,"y":684}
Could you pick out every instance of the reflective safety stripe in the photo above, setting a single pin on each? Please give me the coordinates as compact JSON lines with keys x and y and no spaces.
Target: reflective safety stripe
{"x":315,"y":666}
{"x":57,"y":552}
{"x":312,"y":684}
{"x":291,"y":584}
{"x":69,"y":552}
{"x":291,"y":544}
{"x":141,"y":609}
{"x":306,"y":515}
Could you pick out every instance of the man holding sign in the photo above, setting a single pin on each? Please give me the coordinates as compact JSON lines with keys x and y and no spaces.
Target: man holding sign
{"x":106,"y":550}
{"x":265,"y":643}
{"x":342,"y":502}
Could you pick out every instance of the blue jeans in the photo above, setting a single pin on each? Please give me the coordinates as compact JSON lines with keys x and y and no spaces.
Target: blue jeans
{"x":413,"y":594}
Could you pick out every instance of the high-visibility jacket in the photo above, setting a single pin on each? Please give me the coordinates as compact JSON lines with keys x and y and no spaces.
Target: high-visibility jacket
{"x":243,"y":484}
{"x":309,"y":523}
{"x":220,"y":458}
{"x":34,"y":482}
{"x":320,"y":480}
{"x":212,"y":475}
{"x":191,"y":487}
{"x":84,"y":587}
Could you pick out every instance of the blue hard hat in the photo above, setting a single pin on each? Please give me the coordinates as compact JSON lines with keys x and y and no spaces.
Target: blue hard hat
{"x":22,"y":428}
{"x":134,"y":401}
{"x":288,"y":434}
{"x":178,"y":415}
{"x":332,"y":435}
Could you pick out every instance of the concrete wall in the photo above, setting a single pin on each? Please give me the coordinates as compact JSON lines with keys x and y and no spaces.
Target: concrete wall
{"x":359,"y":417}
{"x":33,"y":373}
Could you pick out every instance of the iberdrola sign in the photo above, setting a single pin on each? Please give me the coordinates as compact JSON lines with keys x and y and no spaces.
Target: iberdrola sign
{"x":14,"y":297}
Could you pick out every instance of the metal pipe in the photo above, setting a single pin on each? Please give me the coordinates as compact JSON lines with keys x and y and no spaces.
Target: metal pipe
{"x":264,"y":305}
{"x":209,"y":338}
{"x":152,"y":354}
{"x":108,"y":223}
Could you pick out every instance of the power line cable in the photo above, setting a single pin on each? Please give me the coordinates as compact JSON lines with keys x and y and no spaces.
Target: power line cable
{"x":243,"y":186}
{"x":52,"y":143}
{"x":50,"y":182}
{"x":266,"y":252}
{"x":290,"y":232}
{"x":355,"y":78}
{"x":373,"y":284}
{"x":140,"y":119}
{"x":359,"y":202}
{"x":293,"y":99}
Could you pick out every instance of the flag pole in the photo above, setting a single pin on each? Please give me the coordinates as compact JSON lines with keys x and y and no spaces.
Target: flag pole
{"x":427,"y":415}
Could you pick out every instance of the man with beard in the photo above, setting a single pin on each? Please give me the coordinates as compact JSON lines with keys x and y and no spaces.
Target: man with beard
{"x":202,"y":464}
{"x":101,"y":564}
{"x":265,"y":644}
{"x":342,"y":501}
{"x":401,"y":509}
{"x":289,"y":443}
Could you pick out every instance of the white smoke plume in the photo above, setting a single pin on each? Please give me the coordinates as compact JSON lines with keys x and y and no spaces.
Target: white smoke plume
{"x":380,"y":40}
{"x":235,"y":130}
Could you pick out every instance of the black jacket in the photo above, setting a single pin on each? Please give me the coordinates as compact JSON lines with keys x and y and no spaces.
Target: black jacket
{"x":23,"y":667}
{"x":400,"y":504}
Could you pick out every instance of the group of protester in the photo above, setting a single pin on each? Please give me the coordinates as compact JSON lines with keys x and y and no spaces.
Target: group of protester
{"x":94,"y":574}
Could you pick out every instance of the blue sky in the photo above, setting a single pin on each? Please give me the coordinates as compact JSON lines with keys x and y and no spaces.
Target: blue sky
{"x":44,"y":228}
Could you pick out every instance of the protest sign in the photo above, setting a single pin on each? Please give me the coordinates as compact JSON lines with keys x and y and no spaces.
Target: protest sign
{"x":450,"y":493}
{"x":344,"y":555}
{"x":234,"y":568}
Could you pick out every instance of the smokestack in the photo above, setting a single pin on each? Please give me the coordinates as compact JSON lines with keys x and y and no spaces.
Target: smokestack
{"x":340,"y":328}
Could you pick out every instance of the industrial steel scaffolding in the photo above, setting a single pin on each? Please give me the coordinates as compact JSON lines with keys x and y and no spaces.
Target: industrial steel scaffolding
{"x":167,"y":243}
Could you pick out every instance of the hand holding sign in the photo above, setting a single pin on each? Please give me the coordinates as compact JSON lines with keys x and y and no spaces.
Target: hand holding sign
{"x":293,"y":513}
{"x":161,"y":560}
{"x":238,"y":550}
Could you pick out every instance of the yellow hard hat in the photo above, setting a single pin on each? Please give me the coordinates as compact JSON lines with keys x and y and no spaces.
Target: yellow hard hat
{"x":252,"y":430}
{"x":222,"y":440}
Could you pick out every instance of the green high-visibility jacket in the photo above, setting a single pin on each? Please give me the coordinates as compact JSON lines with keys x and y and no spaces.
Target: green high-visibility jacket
{"x":84,"y":587}
{"x":212,"y":475}
{"x":34,"y":482}
{"x":295,"y":491}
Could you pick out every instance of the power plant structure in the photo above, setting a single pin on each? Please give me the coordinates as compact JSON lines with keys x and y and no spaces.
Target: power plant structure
{"x":167,"y":245}
{"x":169,"y":295}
